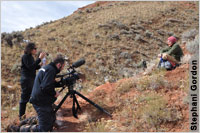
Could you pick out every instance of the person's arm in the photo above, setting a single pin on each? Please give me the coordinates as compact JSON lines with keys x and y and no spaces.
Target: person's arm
{"x":173,"y":50}
{"x":48,"y":83}
{"x":38,"y":66}
{"x":29,"y":63}
{"x":165,"y":50}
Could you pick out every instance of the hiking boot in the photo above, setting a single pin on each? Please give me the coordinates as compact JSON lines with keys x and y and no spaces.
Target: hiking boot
{"x":25,"y":128}
{"x":31,"y":121}
{"x":34,"y":128}
{"x":13,"y":128}
{"x":23,"y":117}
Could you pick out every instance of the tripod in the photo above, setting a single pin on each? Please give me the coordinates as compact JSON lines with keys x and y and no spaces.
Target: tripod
{"x":72,"y":93}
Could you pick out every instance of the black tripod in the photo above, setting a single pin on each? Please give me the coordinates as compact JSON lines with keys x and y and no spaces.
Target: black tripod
{"x":72,"y":93}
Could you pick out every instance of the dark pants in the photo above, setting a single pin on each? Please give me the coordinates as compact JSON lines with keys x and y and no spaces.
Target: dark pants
{"x":46,"y":118}
{"x":26,"y":89}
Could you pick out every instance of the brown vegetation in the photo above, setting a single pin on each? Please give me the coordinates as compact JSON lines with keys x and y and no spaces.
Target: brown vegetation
{"x":113,"y":37}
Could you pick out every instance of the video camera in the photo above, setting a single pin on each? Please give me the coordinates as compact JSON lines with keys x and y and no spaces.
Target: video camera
{"x":72,"y":75}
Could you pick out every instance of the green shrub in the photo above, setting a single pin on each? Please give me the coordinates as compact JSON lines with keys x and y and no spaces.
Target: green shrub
{"x":16,"y":68}
{"x":193,"y":46}
{"x":152,"y":82}
{"x":153,"y":113}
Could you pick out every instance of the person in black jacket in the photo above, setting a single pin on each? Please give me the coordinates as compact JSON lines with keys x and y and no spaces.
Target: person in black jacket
{"x":28,"y":73}
{"x":44,"y":95}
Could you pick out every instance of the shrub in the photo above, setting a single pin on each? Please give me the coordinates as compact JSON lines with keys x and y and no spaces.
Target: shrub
{"x":193,"y":46}
{"x":16,"y":68}
{"x":153,"y":113}
{"x":153,"y":82}
{"x":125,"y":86}
{"x":185,"y":59}
{"x":189,"y":35}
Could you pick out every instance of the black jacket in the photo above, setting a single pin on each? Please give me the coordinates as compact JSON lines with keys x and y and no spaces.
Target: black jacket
{"x":29,"y":66}
{"x":43,"y":92}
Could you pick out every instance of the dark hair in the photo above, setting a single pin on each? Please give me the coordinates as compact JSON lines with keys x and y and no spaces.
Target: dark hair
{"x":29,"y":47}
{"x":59,"y":59}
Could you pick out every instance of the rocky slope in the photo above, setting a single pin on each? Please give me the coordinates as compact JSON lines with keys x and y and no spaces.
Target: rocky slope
{"x":114,"y":38}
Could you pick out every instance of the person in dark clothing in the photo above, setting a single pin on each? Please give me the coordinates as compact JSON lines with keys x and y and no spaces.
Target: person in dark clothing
{"x":44,"y":95}
{"x":28,"y":73}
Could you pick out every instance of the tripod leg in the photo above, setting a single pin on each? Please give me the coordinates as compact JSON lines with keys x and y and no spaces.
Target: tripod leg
{"x":78,"y":106}
{"x":74,"y":109}
{"x":60,"y":104}
{"x":94,"y":104}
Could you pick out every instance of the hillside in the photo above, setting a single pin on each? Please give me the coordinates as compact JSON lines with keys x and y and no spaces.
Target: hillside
{"x":114,"y":38}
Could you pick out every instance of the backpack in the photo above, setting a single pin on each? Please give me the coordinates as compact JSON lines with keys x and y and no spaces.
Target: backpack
{"x":165,"y":64}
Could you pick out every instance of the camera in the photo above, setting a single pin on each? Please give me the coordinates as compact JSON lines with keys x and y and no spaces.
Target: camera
{"x":70,"y":78}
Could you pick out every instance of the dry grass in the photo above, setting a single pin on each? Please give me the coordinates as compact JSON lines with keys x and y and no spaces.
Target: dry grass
{"x":154,"y":81}
{"x":79,"y":35}
{"x":101,"y":125}
{"x":153,"y":113}
{"x":126,"y":86}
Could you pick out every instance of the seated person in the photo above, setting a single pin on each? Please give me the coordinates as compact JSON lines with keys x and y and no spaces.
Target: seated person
{"x":170,"y":56}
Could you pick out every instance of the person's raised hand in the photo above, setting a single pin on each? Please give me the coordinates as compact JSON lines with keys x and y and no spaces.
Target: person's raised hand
{"x":42,"y":55}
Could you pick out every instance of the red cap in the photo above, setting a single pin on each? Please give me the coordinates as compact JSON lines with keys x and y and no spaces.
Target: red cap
{"x":172,"y":39}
